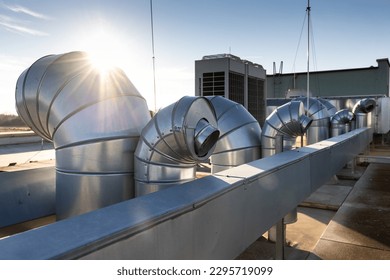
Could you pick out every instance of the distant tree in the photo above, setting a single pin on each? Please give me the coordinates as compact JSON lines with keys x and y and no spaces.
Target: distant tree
{"x":11,"y":120}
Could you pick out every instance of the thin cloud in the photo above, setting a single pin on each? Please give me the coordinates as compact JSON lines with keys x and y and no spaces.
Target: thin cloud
{"x":27,"y":11}
{"x":13,"y":26}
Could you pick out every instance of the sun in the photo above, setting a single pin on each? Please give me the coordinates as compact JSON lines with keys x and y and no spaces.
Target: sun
{"x":105,"y":50}
{"x":101,"y":61}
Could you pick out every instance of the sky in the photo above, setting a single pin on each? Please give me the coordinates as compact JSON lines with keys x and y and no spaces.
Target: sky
{"x":345,"y":34}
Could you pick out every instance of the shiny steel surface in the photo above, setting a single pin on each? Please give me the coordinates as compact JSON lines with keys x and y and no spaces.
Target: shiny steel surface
{"x":319,"y":128}
{"x":214,"y":217}
{"x":177,"y":138}
{"x":26,"y":195}
{"x":94,"y":120}
{"x":341,"y":122}
{"x":288,"y":120}
{"x":329,"y":106}
{"x":240,"y":135}
{"x":361,"y":109}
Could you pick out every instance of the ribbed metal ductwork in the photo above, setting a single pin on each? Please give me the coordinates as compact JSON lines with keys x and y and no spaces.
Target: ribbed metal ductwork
{"x":319,"y":128}
{"x":240,"y":135}
{"x":172,"y":144}
{"x":341,"y":122}
{"x":361,"y":109}
{"x":94,"y":121}
{"x":288,"y":120}
{"x":329,"y":106}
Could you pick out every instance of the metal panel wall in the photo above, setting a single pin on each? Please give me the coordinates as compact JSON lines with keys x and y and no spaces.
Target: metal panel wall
{"x":26,"y":195}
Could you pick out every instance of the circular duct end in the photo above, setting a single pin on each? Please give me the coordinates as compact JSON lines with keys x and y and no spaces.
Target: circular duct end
{"x":206,"y":136}
{"x":365,"y":105}
{"x":305,"y":122}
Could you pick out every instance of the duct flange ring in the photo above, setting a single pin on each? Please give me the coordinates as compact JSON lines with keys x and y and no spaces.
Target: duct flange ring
{"x":206,"y":136}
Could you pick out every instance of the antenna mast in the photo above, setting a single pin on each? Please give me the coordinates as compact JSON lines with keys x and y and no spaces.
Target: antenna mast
{"x":153,"y":58}
{"x":308,"y":54}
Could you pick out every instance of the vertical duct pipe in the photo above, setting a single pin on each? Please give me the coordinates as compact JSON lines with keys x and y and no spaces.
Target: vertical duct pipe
{"x":341,"y":122}
{"x":319,"y":129}
{"x":288,"y":120}
{"x":361,"y":110}
{"x":94,"y":121}
{"x":284,"y":124}
{"x":240,"y":135}
{"x":173,"y":143}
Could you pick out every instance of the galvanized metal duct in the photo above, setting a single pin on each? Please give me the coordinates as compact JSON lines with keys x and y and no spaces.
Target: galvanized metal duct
{"x":341,"y":122}
{"x":319,"y":128}
{"x":240,"y":135}
{"x":361,"y":109}
{"x":94,"y":121}
{"x":288,"y":120}
{"x":173,"y":142}
{"x":329,"y":106}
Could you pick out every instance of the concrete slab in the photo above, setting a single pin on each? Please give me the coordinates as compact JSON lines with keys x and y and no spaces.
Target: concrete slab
{"x":301,"y":237}
{"x":262,"y":249}
{"x":368,"y":198}
{"x":329,"y":197}
{"x":351,"y":173}
{"x":333,"y":250}
{"x":360,"y":226}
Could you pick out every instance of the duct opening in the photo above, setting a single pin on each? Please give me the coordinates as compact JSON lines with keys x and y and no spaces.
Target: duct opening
{"x":206,"y":136}
{"x":178,"y":137}
{"x":365,"y":106}
{"x":305,"y":122}
{"x":341,"y":122}
{"x":319,"y":113}
{"x":288,"y":120}
{"x":361,"y":111}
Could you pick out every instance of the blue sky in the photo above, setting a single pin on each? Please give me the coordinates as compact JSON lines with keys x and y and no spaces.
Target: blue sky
{"x":347,"y":34}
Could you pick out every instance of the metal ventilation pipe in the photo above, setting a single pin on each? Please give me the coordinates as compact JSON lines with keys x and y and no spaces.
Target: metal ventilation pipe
{"x":94,"y":121}
{"x":288,"y":120}
{"x":319,"y":129}
{"x":361,"y":110}
{"x":341,"y":122}
{"x":240,"y":135}
{"x":284,"y":124}
{"x":173,"y":142}
{"x":329,"y":106}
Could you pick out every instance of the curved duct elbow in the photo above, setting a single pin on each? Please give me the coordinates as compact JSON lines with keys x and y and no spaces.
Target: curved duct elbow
{"x":361,"y":109}
{"x":240,"y":135}
{"x":288,"y":120}
{"x":173,"y":143}
{"x":365,"y":106}
{"x":329,"y":106}
{"x":341,"y":122}
{"x":319,"y":129}
{"x":94,"y":121}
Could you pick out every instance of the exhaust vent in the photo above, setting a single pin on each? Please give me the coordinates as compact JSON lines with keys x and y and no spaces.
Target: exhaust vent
{"x":240,"y":135}
{"x":94,"y":121}
{"x":173,"y":142}
{"x":319,"y":129}
{"x":288,"y":120}
{"x":329,"y":106}
{"x":341,"y":122}
{"x":361,"y":109}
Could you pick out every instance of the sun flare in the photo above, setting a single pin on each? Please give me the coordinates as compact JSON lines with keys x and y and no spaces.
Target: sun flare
{"x":104,"y":50}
